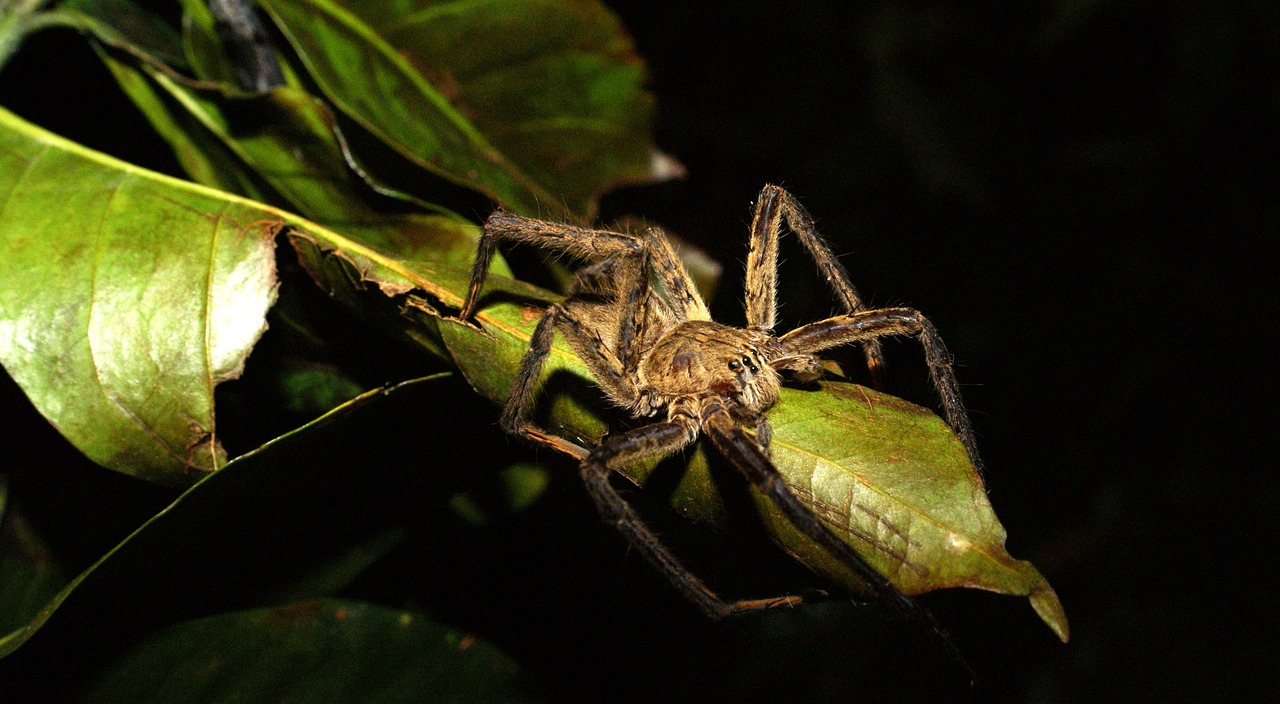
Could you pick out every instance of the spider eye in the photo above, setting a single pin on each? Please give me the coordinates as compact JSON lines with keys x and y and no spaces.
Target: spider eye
{"x":746,"y":361}
{"x":734,"y":365}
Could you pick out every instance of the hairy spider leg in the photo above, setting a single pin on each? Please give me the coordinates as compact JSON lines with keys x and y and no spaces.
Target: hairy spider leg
{"x":762,"y":262}
{"x":680,"y":300}
{"x":634,"y":294}
{"x":513,"y":419}
{"x":593,"y":245}
{"x":686,"y":302}
{"x":875,"y":324}
{"x":773,"y":206}
{"x":597,"y":278}
{"x":658,"y":440}
{"x":653,"y":440}
{"x":751,"y":460}
{"x":624,"y":275}
{"x":606,"y":368}
{"x":624,"y":257}
{"x":619,"y":276}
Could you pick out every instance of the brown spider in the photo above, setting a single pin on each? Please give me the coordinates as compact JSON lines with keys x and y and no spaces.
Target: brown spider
{"x":635,"y":319}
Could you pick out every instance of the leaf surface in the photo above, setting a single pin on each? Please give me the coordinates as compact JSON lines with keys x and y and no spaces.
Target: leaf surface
{"x":282,"y":146}
{"x":126,"y":297}
{"x":894,"y":477}
{"x":890,"y":478}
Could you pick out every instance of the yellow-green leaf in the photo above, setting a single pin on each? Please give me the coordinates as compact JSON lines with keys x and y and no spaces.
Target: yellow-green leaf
{"x":126,"y":297}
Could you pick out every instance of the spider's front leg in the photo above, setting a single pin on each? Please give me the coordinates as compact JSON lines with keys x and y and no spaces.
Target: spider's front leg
{"x":573,"y":320}
{"x":882,"y":322}
{"x":514,"y":419}
{"x":753,"y":462}
{"x":655,"y":440}
{"x":774,"y":206}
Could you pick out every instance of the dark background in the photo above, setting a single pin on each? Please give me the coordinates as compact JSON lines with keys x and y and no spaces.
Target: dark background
{"x":1082,"y":197}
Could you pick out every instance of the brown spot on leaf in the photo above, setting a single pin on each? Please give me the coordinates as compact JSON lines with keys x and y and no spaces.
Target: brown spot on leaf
{"x":528,"y":314}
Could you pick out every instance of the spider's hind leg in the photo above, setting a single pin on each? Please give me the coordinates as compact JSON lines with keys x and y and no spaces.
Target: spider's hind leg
{"x":571,"y":239}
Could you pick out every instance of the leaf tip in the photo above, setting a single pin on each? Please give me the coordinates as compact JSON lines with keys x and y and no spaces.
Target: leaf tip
{"x":1049,"y":608}
{"x":664,"y":167}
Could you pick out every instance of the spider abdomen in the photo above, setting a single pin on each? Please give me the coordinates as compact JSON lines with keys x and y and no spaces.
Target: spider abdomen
{"x":700,"y":357}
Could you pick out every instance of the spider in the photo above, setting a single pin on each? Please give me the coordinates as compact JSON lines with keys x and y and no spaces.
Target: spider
{"x":634,"y":317}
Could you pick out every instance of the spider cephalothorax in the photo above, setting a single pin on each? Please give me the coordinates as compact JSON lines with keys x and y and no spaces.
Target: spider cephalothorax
{"x":635,"y":319}
{"x":700,"y":357}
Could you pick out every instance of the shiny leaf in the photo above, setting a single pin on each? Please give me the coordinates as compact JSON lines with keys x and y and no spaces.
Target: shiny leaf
{"x":893,"y":475}
{"x":286,"y":140}
{"x":281,"y":146}
{"x":126,"y":297}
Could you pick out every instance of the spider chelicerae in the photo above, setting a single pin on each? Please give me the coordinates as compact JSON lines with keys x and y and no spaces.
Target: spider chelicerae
{"x":634,"y":317}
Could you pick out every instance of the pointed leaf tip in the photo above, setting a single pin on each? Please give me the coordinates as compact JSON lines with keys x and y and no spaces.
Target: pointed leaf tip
{"x":1047,"y":605}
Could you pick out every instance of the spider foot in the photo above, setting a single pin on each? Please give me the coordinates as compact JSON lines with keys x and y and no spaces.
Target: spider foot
{"x":468,"y":321}
{"x":750,"y":606}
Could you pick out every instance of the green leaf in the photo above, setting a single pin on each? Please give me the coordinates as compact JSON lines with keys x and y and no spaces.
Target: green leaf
{"x":324,"y":650}
{"x":16,"y":21}
{"x":123,"y":22}
{"x":126,"y":297}
{"x":893,"y":475}
{"x":283,"y":142}
{"x":536,"y":119}
{"x":200,"y":152}
{"x":888,"y":476}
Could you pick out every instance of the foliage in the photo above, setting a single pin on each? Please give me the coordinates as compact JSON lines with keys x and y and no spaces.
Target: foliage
{"x":129,"y":299}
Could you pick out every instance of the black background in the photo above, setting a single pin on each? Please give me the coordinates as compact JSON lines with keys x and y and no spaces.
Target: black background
{"x":1082,"y":197}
